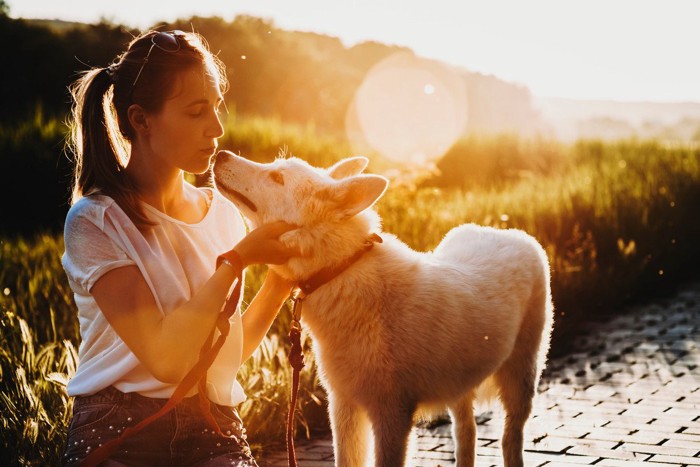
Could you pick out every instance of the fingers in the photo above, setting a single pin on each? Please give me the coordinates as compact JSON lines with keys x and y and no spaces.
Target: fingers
{"x":283,"y":253}
{"x":293,"y":251}
{"x":263,"y":245}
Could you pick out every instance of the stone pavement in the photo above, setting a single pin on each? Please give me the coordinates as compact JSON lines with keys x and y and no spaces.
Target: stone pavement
{"x":628,"y":393}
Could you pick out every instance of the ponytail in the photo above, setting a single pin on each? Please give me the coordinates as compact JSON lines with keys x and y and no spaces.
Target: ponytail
{"x":99,"y":150}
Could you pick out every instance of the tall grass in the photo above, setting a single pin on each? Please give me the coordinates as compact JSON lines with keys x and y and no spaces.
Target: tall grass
{"x":616,"y":220}
{"x":38,"y":338}
{"x":35,"y":410}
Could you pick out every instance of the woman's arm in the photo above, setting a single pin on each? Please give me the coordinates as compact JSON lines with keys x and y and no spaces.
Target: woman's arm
{"x":168,"y":346}
{"x":262,"y":311}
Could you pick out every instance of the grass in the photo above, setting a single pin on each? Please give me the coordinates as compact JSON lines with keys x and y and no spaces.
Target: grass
{"x":617,"y":220}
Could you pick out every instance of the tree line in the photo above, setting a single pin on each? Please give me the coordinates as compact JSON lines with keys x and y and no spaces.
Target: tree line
{"x":296,"y":76}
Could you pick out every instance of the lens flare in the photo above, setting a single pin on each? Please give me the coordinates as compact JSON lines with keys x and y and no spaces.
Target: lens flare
{"x":409,"y":109}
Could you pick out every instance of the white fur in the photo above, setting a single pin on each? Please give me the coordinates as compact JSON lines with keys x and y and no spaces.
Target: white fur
{"x":401,"y":330}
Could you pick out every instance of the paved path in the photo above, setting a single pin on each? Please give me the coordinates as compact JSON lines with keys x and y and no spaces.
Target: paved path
{"x":628,"y":394}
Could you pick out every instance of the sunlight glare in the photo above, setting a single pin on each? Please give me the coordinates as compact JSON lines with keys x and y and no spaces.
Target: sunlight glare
{"x":409,"y":109}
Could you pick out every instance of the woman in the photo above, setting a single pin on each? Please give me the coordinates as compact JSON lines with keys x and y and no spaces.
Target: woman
{"x":141,"y":248}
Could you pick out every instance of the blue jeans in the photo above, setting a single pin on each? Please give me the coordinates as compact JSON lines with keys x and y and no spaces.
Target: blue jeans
{"x":181,"y":437}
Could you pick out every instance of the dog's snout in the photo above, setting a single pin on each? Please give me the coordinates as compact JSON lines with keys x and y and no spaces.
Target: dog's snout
{"x":220,"y":159}
{"x":223,"y":155}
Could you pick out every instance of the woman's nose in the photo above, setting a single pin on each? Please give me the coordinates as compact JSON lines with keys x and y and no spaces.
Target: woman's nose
{"x":216,"y":129}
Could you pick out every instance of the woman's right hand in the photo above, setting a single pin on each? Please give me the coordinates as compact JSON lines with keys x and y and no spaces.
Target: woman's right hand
{"x":262,"y":245}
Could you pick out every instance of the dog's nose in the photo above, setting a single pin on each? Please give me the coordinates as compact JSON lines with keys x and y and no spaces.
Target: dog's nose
{"x":223,"y":155}
{"x":218,"y":158}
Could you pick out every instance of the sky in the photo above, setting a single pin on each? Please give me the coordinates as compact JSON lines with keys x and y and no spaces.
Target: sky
{"x":623,"y":50}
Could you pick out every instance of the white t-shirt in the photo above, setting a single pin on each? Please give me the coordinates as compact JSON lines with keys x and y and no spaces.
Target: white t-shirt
{"x":176,"y":259}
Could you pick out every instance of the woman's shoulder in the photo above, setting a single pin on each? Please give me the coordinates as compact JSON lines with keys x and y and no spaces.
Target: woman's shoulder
{"x":95,"y":209}
{"x":85,"y":221}
{"x":92,"y":208}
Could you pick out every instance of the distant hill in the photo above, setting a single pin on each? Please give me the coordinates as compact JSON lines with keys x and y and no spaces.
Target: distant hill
{"x":570,"y":119}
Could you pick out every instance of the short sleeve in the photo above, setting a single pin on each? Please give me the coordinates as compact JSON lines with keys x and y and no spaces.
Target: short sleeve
{"x":89,"y":251}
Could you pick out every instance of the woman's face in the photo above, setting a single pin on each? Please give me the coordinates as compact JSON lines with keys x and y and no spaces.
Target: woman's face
{"x":184,"y":133}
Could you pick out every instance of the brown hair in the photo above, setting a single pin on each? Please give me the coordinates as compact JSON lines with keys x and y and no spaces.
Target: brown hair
{"x":101,"y":134}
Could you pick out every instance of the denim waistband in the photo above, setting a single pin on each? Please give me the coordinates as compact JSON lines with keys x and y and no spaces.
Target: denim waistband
{"x":110,"y":394}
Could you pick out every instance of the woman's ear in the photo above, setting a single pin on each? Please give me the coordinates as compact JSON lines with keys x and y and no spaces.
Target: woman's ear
{"x":137,"y":118}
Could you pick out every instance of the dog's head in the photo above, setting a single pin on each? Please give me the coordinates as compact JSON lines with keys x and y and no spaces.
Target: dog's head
{"x":321,"y":201}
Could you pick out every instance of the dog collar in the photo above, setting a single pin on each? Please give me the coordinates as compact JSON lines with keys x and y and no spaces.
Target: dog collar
{"x":325,"y":275}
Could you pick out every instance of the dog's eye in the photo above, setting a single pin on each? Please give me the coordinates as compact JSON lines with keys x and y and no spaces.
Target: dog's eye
{"x":277,"y":177}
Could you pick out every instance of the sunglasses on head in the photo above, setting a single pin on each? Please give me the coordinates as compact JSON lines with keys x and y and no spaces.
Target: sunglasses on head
{"x":166,"y":41}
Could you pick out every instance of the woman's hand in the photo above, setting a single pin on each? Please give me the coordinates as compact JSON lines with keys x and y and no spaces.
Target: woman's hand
{"x":262,"y":245}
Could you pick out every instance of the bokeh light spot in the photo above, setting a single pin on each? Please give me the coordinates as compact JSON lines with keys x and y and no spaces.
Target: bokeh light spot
{"x":409,"y":109}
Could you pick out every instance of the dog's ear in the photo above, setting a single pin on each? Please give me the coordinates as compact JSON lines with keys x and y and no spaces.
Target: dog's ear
{"x":355,"y":194}
{"x":348,"y":167}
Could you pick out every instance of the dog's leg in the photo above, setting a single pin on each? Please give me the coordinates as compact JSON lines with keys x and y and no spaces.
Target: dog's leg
{"x":517,"y":400}
{"x":516,"y":380}
{"x":392,"y":428}
{"x":350,"y":427}
{"x":464,"y":430}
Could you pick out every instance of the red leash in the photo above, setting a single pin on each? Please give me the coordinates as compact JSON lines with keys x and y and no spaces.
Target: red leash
{"x":197,"y":375}
{"x":296,"y":360}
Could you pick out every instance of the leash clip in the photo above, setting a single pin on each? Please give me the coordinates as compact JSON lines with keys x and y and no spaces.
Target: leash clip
{"x":297,"y":298}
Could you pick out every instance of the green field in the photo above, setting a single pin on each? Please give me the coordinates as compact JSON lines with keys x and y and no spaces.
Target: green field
{"x":620,"y":222}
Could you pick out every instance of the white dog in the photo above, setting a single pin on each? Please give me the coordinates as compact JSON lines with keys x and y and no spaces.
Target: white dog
{"x":400,"y":330}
